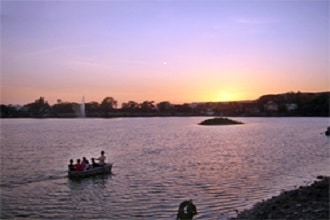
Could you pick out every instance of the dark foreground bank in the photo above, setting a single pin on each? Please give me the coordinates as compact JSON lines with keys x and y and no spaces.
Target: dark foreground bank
{"x":308,"y":202}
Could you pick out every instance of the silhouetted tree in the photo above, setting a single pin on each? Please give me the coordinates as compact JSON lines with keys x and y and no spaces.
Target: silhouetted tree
{"x":92,"y":107}
{"x":164,"y":106}
{"x":147,"y":106}
{"x":316,"y":104}
{"x":130,"y":106}
{"x":186,"y":108}
{"x":108,"y":104}
{"x":38,"y":108}
{"x":65,"y":109}
{"x":5,"y":111}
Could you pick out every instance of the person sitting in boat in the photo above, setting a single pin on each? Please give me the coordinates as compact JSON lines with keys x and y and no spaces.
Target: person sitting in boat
{"x":94,"y":164}
{"x":71,"y":166}
{"x":101,"y":159}
{"x":78,"y":166}
{"x":85,"y":163}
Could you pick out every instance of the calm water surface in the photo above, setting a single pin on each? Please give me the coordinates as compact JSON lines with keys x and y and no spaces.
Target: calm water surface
{"x":158,"y":162}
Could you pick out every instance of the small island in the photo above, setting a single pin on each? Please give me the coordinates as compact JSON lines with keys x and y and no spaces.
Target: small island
{"x":220,"y":121}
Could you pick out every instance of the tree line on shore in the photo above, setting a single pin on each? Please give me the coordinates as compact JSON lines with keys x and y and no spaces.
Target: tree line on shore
{"x":287,"y":104}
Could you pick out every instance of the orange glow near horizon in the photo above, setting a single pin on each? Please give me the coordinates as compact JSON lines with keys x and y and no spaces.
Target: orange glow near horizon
{"x":230,"y":95}
{"x":225,"y":96}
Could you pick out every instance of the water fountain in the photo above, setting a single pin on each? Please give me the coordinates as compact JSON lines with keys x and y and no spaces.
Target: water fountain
{"x":82,"y":108}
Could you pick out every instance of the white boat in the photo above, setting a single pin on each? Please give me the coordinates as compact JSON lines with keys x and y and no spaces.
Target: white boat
{"x":92,"y":171}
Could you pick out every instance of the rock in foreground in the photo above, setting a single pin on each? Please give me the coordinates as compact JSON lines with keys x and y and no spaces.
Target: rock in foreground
{"x":220,"y":121}
{"x":309,"y":202}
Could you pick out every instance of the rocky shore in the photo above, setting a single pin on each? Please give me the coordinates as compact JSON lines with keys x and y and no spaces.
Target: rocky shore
{"x":306,"y":202}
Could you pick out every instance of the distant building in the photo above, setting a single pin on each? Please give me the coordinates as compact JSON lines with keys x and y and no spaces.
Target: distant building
{"x":291,"y":107}
{"x":252,"y":110}
{"x":271,"y":106}
{"x":209,"y":112}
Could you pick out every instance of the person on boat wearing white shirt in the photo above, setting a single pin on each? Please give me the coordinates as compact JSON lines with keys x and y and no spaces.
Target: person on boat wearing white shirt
{"x":101,"y":159}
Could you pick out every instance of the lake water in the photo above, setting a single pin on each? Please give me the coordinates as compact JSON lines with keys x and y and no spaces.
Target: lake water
{"x":158,"y":163}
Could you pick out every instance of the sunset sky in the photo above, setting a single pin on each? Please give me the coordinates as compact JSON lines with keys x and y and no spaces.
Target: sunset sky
{"x":162,"y":50}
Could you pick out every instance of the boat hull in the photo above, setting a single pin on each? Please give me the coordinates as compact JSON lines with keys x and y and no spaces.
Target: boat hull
{"x":106,"y":169}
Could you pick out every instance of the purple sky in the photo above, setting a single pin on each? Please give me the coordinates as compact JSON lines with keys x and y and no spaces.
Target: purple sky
{"x":162,"y":50}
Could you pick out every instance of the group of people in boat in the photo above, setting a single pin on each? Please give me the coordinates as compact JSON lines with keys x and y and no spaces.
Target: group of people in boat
{"x":82,"y":165}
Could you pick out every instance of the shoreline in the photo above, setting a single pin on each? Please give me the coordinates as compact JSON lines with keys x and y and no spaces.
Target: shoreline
{"x":307,"y":202}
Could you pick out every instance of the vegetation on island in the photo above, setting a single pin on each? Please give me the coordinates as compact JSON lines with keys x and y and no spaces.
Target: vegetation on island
{"x":287,"y":104}
{"x":220,"y":121}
